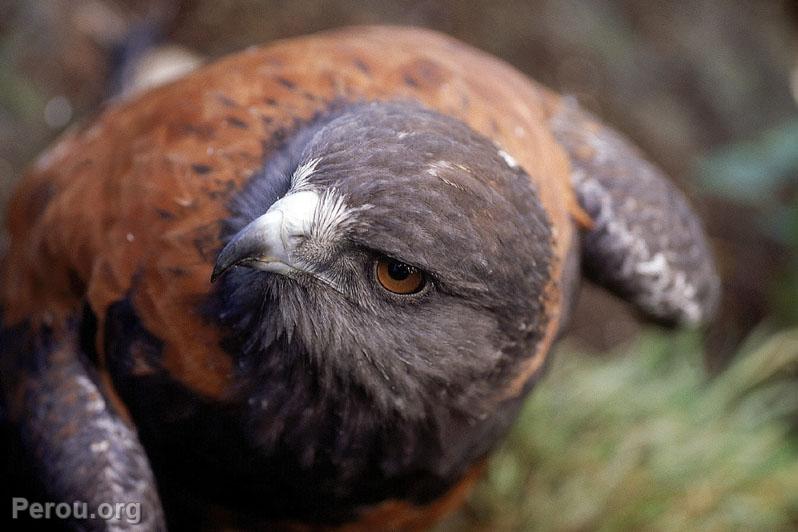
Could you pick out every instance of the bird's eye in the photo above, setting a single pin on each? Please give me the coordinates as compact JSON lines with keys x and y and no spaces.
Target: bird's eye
{"x":398,"y":277}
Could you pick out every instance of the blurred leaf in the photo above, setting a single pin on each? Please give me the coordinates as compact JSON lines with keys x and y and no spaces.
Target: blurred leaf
{"x":751,"y":172}
{"x":19,"y":96}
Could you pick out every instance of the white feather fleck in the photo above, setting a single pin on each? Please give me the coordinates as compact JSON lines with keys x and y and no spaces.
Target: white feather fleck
{"x":509,"y":159}
{"x":95,"y":403}
{"x":435,"y":169}
{"x":437,"y":166}
{"x":98,"y":447}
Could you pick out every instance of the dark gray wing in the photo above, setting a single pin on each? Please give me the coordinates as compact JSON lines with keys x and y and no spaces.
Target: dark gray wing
{"x":81,"y":449}
{"x":646,"y":243}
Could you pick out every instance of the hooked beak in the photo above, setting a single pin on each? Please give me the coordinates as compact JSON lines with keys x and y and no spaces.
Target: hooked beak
{"x":268,"y":242}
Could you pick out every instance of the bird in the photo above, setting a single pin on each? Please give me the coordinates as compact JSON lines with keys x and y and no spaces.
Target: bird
{"x":309,"y":285}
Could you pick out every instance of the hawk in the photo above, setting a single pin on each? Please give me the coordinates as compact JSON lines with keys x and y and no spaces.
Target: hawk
{"x":395,"y":225}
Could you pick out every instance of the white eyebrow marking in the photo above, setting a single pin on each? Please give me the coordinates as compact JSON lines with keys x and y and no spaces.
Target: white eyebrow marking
{"x":330,"y":211}
{"x":299,"y":180}
{"x":332,"y":215}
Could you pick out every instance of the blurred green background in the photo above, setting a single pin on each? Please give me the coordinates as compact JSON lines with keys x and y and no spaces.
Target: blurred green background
{"x":635,"y":427}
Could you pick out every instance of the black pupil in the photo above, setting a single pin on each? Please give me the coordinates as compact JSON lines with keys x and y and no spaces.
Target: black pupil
{"x":399,"y":271}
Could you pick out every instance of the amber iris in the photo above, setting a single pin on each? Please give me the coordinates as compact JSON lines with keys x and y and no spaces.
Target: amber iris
{"x":398,"y":277}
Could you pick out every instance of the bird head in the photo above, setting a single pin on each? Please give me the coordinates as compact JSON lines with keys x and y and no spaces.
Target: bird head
{"x":394,"y":251}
